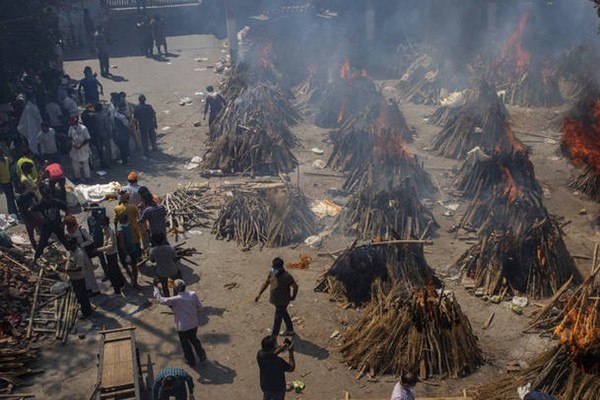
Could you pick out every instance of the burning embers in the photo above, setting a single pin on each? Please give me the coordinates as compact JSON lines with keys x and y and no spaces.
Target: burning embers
{"x":581,"y":142}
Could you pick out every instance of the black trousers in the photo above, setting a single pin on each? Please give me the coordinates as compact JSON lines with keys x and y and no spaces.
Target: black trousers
{"x":82,"y":296}
{"x":281,"y":313}
{"x":104,"y":64}
{"x":188,"y":340}
{"x":47,"y":230}
{"x":113,"y":272}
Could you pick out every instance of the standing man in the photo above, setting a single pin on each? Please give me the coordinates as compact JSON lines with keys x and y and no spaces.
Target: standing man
{"x":145,"y":116}
{"x":214,"y":103}
{"x":52,"y":221}
{"x":90,"y":86}
{"x":121,"y":135}
{"x":172,"y":382}
{"x":56,"y":180}
{"x":165,"y":257}
{"x":110,"y":250}
{"x":273,"y":368}
{"x":283,"y":290}
{"x":80,"y":149}
{"x":46,"y":142}
{"x":186,"y":309}
{"x":102,"y":137}
{"x":405,"y":388}
{"x":102,"y":50}
{"x":154,"y":214}
{"x":74,"y":268}
{"x":159,"y":30}
{"x":6,"y":182}
{"x":133,"y":188}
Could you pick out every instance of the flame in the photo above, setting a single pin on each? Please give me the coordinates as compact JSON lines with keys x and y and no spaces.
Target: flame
{"x":581,"y":138}
{"x":347,"y":72}
{"x":264,"y":55}
{"x":515,"y":144}
{"x":579,"y":330}
{"x":512,"y":190}
{"x":540,"y":256}
{"x":340,"y":116}
{"x":514,"y":59}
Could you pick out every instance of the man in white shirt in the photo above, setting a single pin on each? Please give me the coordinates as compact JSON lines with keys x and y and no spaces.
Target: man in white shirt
{"x":405,"y":388}
{"x":46,"y":143}
{"x":80,"y":149}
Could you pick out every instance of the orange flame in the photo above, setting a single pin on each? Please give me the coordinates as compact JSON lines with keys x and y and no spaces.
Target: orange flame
{"x":347,"y":72}
{"x":581,"y":138}
{"x":512,"y":190}
{"x":302,"y":264}
{"x":340,"y":116}
{"x":514,"y":59}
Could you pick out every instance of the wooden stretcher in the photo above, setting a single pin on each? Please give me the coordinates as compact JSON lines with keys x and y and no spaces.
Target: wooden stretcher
{"x":120,"y":372}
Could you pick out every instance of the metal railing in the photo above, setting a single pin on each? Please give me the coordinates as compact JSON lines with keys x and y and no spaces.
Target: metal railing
{"x":147,"y":3}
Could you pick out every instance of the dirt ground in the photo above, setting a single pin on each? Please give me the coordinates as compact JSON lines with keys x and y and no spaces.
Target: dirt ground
{"x":234,"y":323}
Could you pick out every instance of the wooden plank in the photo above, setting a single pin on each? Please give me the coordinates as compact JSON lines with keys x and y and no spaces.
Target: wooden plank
{"x":126,"y":328}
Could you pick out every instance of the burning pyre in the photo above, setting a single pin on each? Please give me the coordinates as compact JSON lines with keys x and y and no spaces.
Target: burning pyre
{"x":571,"y":369}
{"x":581,"y":142}
{"x":352,"y":93}
{"x":527,"y":80}
{"x":482,"y":121}
{"x":368,"y":133}
{"x":271,"y":218}
{"x":423,"y":330}
{"x":358,"y":271}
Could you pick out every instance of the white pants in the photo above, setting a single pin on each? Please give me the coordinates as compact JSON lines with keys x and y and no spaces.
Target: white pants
{"x":77,"y":165}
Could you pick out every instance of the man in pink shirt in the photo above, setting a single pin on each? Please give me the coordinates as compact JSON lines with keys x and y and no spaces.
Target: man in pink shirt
{"x":405,"y":388}
{"x":186,"y":310}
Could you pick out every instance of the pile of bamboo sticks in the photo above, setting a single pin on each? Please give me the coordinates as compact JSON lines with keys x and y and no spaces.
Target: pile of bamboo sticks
{"x":345,"y":97}
{"x":421,"y":83}
{"x":271,"y":218}
{"x":423,"y":330}
{"x":535,"y":89}
{"x":535,"y":263}
{"x":17,"y":361}
{"x":186,"y":207}
{"x":482,"y":121}
{"x":588,"y":183}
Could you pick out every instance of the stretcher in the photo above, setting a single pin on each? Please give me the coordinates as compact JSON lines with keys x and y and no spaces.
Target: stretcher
{"x":120,"y":372}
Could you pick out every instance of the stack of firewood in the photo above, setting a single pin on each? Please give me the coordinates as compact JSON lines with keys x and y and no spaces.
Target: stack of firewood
{"x":345,"y":97}
{"x":535,"y":88}
{"x":17,"y":361}
{"x":421,"y":82}
{"x":531,"y":260}
{"x":396,"y":212}
{"x":261,"y":104}
{"x":365,"y":135}
{"x":424,"y":331}
{"x":352,"y":277}
{"x":269,"y":218}
{"x":482,"y":121}
{"x":186,"y":207}
{"x":569,"y":370}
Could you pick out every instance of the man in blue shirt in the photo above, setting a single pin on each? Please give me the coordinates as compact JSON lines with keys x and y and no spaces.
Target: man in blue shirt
{"x":90,"y":87}
{"x":172,"y":382}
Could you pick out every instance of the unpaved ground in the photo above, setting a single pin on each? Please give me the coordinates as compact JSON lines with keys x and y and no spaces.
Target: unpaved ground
{"x":235,"y":324}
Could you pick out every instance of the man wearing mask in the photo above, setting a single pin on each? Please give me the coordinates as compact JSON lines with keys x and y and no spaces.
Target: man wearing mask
{"x":283,"y":290}
{"x":80,"y":149}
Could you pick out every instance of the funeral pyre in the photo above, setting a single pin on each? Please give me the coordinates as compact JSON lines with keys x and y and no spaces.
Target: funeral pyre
{"x":422,"y":330}
{"x":265,"y":217}
{"x":252,"y":135}
{"x":367,"y":133}
{"x":580,"y":141}
{"x":527,"y":80}
{"x":359,"y":270}
{"x":571,"y":369}
{"x":482,"y":121}
{"x":351,"y":93}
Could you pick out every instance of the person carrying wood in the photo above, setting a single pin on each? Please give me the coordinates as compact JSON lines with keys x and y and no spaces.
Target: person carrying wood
{"x":280,"y":282}
{"x":74,"y":269}
{"x":405,"y":388}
